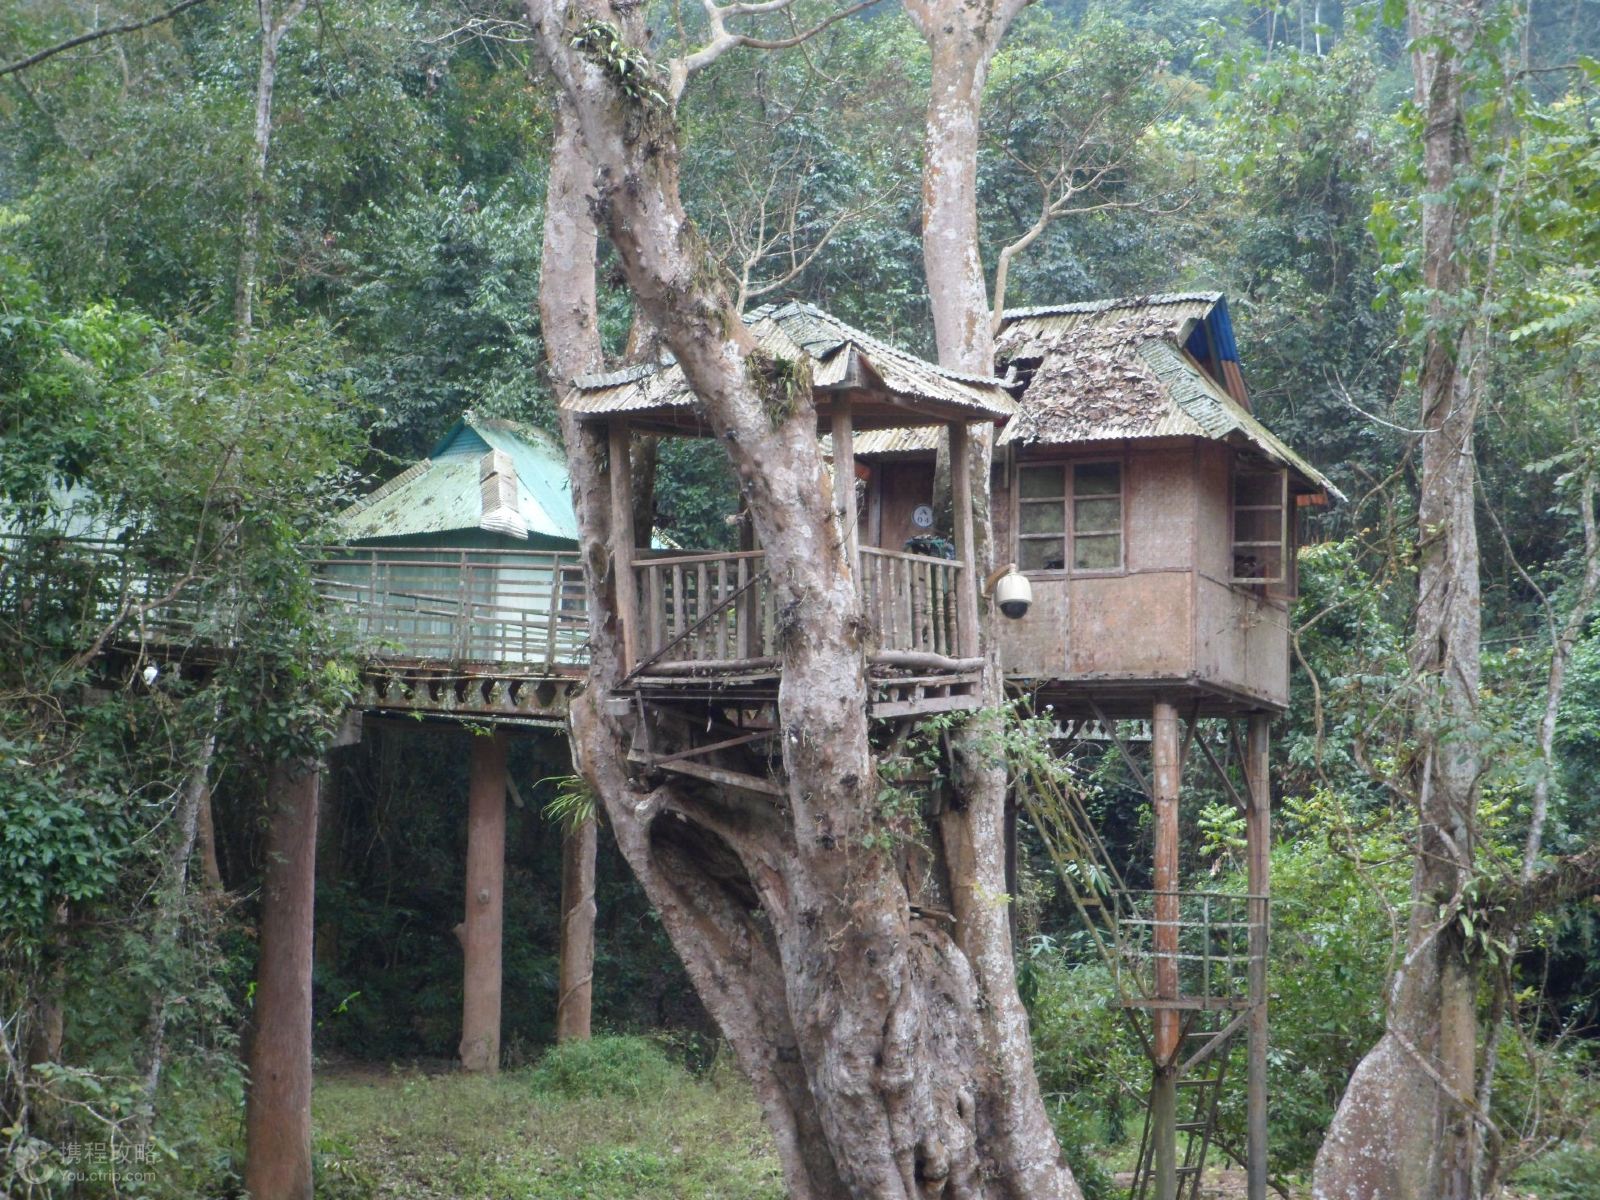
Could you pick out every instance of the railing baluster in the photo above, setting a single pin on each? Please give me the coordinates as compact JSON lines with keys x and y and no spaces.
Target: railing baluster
{"x":553,"y":621}
{"x":658,"y":606}
{"x":722,"y":621}
{"x":677,"y":599}
{"x":702,"y":606}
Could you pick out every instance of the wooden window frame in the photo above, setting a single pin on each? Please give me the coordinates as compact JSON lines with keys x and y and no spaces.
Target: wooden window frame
{"x":1068,"y":501}
{"x":1282,"y":582}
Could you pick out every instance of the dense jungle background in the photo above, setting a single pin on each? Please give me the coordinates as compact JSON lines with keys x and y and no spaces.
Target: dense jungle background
{"x":222,"y":361}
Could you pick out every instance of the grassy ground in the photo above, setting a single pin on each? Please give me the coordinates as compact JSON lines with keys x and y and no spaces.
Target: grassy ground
{"x":615,"y":1120}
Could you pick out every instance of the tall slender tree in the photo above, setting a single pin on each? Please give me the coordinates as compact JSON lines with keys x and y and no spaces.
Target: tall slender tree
{"x":1413,"y":1122}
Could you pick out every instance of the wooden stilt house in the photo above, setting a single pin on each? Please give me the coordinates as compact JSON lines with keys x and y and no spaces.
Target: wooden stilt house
{"x":468,"y":556}
{"x":1156,"y":520}
{"x":1156,"y":517}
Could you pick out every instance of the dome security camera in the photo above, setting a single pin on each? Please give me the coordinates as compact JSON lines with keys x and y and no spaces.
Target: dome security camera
{"x":1014,"y":594}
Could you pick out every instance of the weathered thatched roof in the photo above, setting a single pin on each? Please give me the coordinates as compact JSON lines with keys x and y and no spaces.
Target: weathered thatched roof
{"x":841,"y":359}
{"x":1126,"y":369}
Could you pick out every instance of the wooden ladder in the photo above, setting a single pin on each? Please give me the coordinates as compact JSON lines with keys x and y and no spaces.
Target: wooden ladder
{"x":1195,"y":1130}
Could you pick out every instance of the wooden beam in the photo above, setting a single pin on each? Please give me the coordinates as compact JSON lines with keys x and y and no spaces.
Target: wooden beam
{"x":1110,"y":727}
{"x":1258,"y":849}
{"x":967,"y":640}
{"x":927,"y":704}
{"x":620,"y":470}
{"x":716,"y":775}
{"x":480,"y":930}
{"x":844,"y":485}
{"x":1167,"y":770}
{"x":575,"y":966}
{"x":657,"y":760}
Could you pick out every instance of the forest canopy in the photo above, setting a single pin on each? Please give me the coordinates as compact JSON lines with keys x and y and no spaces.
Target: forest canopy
{"x":221,"y":325}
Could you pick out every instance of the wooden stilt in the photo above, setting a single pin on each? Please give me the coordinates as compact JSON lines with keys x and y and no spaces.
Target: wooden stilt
{"x":278,"y":1114}
{"x":844,"y":484}
{"x":480,"y":929}
{"x":620,"y":469}
{"x":1166,"y":770}
{"x":967,"y":642}
{"x":1258,"y":850}
{"x":576,"y":973}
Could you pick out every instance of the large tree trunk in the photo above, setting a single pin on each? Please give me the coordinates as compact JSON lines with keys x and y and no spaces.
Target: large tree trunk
{"x":962,"y":37}
{"x":1404,"y":1128}
{"x":278,"y":1117}
{"x":889,"y":1057}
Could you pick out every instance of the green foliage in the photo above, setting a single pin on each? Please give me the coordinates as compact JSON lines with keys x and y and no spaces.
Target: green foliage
{"x":1091,"y":1069}
{"x":607,"y":1066}
{"x":1338,"y":894}
{"x":438,"y":295}
{"x":62,"y":839}
{"x":573,"y":804}
{"x":1567,"y":1172}
{"x":406,"y":1134}
{"x":629,"y":68}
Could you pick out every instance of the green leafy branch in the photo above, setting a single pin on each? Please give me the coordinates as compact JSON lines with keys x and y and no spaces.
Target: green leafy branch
{"x":626,"y":66}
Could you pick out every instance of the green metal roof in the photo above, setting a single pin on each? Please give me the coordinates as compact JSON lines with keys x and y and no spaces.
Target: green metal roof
{"x":444,"y":493}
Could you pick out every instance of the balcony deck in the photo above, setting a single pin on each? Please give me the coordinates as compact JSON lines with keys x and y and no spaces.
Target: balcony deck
{"x":502,"y":634}
{"x":496,"y":635}
{"x":710,"y":630}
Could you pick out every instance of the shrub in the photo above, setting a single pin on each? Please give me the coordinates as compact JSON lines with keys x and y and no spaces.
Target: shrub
{"x":605,"y":1066}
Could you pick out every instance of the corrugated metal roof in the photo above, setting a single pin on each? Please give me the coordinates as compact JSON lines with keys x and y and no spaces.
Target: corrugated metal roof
{"x":788,"y":331}
{"x":896,"y":441}
{"x":444,"y":493}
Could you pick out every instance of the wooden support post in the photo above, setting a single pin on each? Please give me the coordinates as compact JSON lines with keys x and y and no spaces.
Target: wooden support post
{"x":480,"y":929}
{"x":967,"y":642}
{"x":620,"y":469}
{"x":278,"y":1113}
{"x":575,"y":977}
{"x":1258,"y":842}
{"x":1166,"y":773}
{"x":844,"y":485}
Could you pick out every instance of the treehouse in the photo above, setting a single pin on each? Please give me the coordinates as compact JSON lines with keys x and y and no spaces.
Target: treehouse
{"x":1155,"y":518}
{"x":702,"y":624}
{"x":461,"y":574}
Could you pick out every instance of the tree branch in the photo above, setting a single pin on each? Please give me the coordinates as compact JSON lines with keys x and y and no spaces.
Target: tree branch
{"x":722,"y":40}
{"x":94,"y":35}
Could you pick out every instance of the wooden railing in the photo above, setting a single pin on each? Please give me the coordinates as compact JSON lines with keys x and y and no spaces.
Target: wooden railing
{"x":705,"y":608}
{"x":701,"y":611}
{"x":520,"y":607}
{"x":909,"y":601}
{"x":527,"y":609}
{"x":523,"y":608}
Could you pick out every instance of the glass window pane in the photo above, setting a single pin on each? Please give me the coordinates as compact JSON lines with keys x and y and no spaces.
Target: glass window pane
{"x":1097,"y":479}
{"x":1101,"y":552}
{"x":1257,"y":562}
{"x":1258,"y":525}
{"x":1258,"y":487}
{"x":1098,"y":516}
{"x":1041,"y":554}
{"x":1037,"y":483}
{"x":1048,"y":517}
